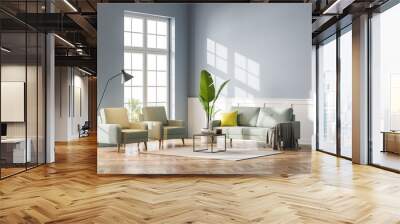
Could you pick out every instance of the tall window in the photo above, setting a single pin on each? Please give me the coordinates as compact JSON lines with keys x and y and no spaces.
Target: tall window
{"x":385,"y":88}
{"x":146,"y":57}
{"x":346,"y":93}
{"x":327,"y":95}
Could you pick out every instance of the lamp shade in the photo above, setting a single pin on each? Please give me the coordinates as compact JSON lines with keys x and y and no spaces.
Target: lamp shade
{"x":125,"y":76}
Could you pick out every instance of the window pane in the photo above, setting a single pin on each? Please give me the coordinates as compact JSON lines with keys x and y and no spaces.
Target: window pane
{"x":127,"y":94}
{"x":127,"y":24}
{"x":137,"y":93}
{"x":137,"y":78}
{"x":151,"y":79}
{"x":161,"y":79}
{"x":127,"y":39}
{"x":151,"y":62}
{"x":162,"y":42}
{"x":137,"y":61}
{"x":327,"y":96}
{"x":151,"y":94}
{"x":137,"y":25}
{"x":137,"y":40}
{"x":161,"y":63}
{"x":346,"y":94}
{"x":151,"y":41}
{"x":385,"y":94}
{"x":161,"y":28}
{"x":151,"y":26}
{"x":127,"y":61}
{"x":162,"y":94}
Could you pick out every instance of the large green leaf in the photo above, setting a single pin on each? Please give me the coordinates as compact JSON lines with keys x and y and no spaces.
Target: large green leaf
{"x":207,"y":88}
{"x":221,"y":87}
{"x":205,"y":104}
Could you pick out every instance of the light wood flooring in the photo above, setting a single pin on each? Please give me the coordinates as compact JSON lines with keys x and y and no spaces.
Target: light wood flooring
{"x":129,"y":161}
{"x":70,"y":191}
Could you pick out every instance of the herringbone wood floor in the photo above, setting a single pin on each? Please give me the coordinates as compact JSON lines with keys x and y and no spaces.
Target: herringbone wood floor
{"x":70,"y":191}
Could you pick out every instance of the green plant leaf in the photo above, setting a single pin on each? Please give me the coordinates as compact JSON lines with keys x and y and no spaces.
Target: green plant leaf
{"x":207,"y":88}
{"x":221,"y":87}
{"x":204,"y":103}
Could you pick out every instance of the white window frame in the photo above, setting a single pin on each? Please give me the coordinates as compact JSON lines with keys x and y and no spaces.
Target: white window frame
{"x":149,"y":51}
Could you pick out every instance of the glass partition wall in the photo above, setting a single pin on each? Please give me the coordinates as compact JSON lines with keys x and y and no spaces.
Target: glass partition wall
{"x":22,"y":77}
{"x":327,"y":95}
{"x":385,"y":89}
{"x":334,"y":94}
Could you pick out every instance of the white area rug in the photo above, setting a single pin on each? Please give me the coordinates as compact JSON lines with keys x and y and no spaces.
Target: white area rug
{"x":230,"y":154}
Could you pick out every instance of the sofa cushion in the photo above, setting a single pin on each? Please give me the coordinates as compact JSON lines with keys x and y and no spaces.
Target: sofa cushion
{"x":269,"y":117}
{"x":255,"y":131}
{"x":232,"y":130}
{"x":229,"y":119}
{"x":247,"y":116}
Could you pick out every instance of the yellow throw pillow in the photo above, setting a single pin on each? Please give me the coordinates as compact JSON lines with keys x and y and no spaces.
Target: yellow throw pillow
{"x":229,"y":119}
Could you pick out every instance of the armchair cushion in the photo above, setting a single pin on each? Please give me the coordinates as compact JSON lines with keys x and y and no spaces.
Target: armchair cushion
{"x":133,"y":135}
{"x":178,"y":123}
{"x":138,"y":125}
{"x":155,"y":114}
{"x":173,"y":131}
{"x":116,"y":116}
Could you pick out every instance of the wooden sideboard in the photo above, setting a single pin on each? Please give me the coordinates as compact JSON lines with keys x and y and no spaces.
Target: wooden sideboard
{"x":391,"y":141}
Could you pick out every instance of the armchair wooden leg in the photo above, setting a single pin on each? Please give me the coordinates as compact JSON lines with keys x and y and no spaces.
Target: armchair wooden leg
{"x":159,"y":144}
{"x":145,"y":146}
{"x":183,"y":141}
{"x":119,"y":146}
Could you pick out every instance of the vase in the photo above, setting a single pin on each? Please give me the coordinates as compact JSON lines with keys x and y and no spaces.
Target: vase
{"x":206,"y":139}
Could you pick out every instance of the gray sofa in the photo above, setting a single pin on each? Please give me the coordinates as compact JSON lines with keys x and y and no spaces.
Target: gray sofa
{"x":274,"y":126}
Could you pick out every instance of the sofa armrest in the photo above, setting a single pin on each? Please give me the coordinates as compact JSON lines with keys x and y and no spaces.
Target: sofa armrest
{"x":139,"y":125}
{"x":215,"y":123}
{"x":109,"y":133}
{"x":155,"y":128}
{"x":178,"y":123}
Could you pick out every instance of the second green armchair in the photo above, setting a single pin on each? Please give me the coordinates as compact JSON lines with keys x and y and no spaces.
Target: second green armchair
{"x":160,"y":128}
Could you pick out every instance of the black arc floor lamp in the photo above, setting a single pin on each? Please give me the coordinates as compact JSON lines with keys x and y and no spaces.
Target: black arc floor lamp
{"x":125,"y":77}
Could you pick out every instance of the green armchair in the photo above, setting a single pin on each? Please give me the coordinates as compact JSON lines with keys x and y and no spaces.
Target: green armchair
{"x":160,"y":128}
{"x":115,"y":128}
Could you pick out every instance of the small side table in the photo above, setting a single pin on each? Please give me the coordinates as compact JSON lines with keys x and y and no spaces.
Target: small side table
{"x":212,"y":136}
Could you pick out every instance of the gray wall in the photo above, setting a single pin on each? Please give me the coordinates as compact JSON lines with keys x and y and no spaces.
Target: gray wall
{"x":276,"y":38}
{"x":273,"y":39}
{"x":110,"y":51}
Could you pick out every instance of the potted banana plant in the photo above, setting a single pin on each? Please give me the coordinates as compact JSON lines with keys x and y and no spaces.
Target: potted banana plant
{"x":208,"y":95}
